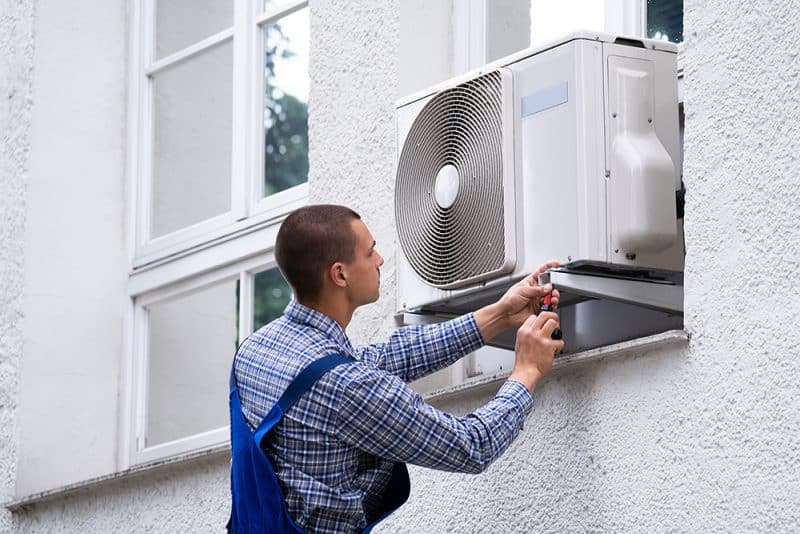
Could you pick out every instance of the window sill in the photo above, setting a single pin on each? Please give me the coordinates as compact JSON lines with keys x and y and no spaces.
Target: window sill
{"x":21,"y":503}
{"x":664,"y":339}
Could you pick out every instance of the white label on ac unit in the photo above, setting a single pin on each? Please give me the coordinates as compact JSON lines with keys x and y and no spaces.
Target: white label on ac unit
{"x":546,"y":98}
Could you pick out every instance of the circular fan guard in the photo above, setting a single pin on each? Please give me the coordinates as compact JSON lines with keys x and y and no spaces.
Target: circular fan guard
{"x":449,"y":247}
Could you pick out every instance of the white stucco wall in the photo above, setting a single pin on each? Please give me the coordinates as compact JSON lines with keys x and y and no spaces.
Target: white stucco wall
{"x":354,"y":83}
{"x":16,"y":64}
{"x":74,"y":278}
{"x":700,"y":438}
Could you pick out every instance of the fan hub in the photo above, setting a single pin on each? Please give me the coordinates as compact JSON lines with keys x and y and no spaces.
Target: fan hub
{"x":446,"y":186}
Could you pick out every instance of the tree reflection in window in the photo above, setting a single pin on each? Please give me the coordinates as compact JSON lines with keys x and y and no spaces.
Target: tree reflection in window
{"x":665,"y":20}
{"x":271,"y":294}
{"x":286,"y":103}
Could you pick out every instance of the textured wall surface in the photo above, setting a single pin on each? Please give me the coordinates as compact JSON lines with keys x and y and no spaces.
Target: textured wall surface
{"x":16,"y":72}
{"x":191,"y":497}
{"x":354,"y":83}
{"x":704,"y":438}
{"x":697,"y":438}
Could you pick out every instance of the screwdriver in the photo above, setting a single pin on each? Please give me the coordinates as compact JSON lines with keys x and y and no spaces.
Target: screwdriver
{"x":547,"y":307}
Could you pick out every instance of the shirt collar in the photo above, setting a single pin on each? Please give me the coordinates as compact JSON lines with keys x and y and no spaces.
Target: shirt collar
{"x":304,"y":315}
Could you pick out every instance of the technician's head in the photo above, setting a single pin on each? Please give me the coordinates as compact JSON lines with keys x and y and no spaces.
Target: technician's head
{"x":325,"y":251}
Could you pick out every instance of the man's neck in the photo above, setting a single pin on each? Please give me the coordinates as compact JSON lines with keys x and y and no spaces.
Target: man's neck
{"x":338,"y":310}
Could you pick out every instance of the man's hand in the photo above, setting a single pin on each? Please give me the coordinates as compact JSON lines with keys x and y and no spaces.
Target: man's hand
{"x":522,"y":300}
{"x":535,"y":350}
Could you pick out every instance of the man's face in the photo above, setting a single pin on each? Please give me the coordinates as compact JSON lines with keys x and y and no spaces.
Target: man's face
{"x":363,"y":273}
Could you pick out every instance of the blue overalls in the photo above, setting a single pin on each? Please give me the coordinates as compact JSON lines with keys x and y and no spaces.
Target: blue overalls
{"x":257,"y":501}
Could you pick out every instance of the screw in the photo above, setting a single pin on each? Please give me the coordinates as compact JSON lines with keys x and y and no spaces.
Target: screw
{"x":616,"y":251}
{"x":569,"y":258}
{"x":608,"y":174}
{"x":631,"y":255}
{"x":649,"y":120}
{"x":614,"y":115}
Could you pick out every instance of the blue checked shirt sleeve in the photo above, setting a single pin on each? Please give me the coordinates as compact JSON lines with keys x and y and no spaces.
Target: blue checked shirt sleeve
{"x":381,"y":415}
{"x":416,"y":351}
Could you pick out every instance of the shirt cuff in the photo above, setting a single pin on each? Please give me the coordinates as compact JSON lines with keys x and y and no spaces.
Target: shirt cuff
{"x":517,"y":393}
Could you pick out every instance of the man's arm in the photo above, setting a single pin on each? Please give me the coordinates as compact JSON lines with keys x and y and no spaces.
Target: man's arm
{"x":414,"y":352}
{"x":379,"y":414}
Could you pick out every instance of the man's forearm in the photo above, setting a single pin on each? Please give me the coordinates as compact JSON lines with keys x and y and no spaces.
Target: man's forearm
{"x":491,"y":320}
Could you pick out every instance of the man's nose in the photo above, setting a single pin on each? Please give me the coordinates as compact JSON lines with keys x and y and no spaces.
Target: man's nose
{"x":380,"y":259}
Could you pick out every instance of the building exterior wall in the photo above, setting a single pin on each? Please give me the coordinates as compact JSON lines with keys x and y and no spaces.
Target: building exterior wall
{"x":689,"y":437}
{"x":16,"y":69}
{"x":701,"y":438}
{"x":75,"y":270}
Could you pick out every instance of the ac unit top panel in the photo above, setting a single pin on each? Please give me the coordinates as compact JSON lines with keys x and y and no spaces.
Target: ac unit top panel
{"x":527,"y":52}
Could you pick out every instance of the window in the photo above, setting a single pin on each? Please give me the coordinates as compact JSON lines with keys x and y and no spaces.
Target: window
{"x":218,"y":155}
{"x":504,"y":27}
{"x":220,"y":135}
{"x":665,"y":20}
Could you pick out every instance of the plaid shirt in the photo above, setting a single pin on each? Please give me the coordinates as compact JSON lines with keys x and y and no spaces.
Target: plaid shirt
{"x":334,"y":450}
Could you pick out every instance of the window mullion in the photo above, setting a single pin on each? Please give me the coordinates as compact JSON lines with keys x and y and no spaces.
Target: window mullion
{"x":245,"y":305}
{"x":141,"y":386}
{"x":145,"y":117}
{"x":256,"y":123}
{"x":469,"y":35}
{"x":241,"y":162}
{"x":625,"y":17}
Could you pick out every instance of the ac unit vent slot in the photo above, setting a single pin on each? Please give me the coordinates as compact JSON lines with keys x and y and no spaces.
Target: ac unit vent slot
{"x":449,"y":203}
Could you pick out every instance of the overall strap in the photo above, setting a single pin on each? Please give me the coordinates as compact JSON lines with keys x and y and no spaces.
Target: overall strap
{"x":310,"y":374}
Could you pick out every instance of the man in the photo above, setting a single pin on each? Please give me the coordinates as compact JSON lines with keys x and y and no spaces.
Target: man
{"x":340,"y":450}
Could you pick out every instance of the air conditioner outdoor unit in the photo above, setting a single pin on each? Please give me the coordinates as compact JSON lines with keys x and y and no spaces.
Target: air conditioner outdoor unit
{"x":568,"y":151}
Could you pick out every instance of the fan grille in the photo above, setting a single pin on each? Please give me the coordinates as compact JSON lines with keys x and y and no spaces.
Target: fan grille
{"x":450,"y":244}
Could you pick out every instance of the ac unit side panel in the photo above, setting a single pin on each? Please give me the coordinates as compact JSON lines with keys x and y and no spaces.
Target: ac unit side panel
{"x":591,"y":156}
{"x":655,"y":157}
{"x":547,"y":118}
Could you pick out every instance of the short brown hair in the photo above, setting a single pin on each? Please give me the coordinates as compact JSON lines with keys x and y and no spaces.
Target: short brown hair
{"x":309,"y":241}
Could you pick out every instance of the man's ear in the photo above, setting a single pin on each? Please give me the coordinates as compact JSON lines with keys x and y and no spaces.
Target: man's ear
{"x":337,"y":275}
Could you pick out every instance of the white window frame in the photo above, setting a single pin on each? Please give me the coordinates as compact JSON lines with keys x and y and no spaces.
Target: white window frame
{"x":247,"y":206}
{"x":239,"y":243}
{"x":245,"y":272}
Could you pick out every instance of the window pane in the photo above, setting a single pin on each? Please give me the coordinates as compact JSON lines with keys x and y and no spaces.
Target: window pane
{"x":272,"y":4}
{"x":191,"y":346}
{"x":286,"y":102}
{"x":180,"y":23}
{"x":552,"y":19}
{"x":512,"y":25}
{"x":192,"y":140}
{"x":665,"y":20}
{"x":271,"y":294}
